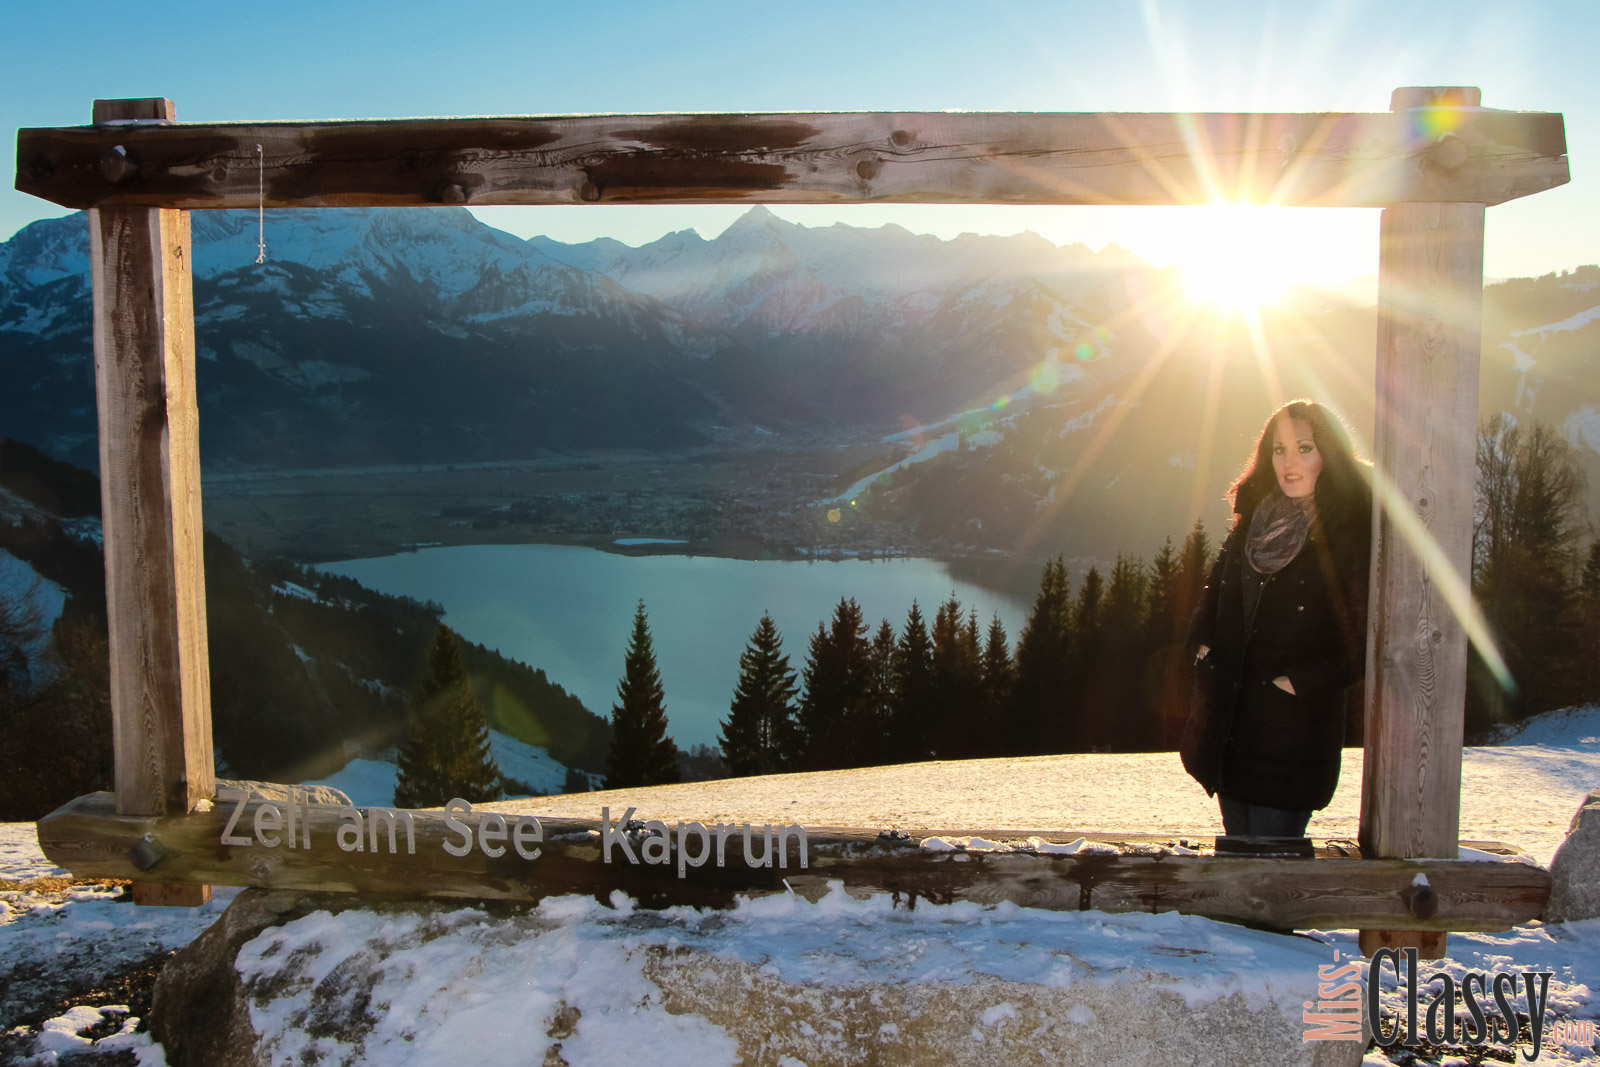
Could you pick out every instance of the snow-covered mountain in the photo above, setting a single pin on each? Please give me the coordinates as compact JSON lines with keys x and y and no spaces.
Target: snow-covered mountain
{"x":769,"y":274}
{"x":365,"y":336}
{"x":383,"y":336}
{"x":424,"y":335}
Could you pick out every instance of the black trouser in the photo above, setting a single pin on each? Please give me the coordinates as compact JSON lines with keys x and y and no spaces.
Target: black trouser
{"x":1254,"y":820}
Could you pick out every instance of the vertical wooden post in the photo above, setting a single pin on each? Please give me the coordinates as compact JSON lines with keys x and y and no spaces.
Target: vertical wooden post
{"x":150,"y":504}
{"x":1430,"y":311}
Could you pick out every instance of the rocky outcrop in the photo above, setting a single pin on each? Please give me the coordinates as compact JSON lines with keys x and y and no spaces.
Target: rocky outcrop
{"x":977,"y":1020}
{"x":285,"y":978}
{"x":285,"y":794}
{"x":199,"y":1012}
{"x":1575,"y":870}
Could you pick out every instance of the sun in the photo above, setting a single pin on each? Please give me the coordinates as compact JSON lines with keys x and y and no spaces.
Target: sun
{"x":1237,"y":257}
{"x":1233,"y":280}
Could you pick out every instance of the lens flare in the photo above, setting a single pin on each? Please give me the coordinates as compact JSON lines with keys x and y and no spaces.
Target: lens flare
{"x":1045,"y":378}
{"x":1428,"y":123}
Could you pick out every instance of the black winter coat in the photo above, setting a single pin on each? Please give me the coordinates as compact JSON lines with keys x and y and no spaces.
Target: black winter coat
{"x":1246,"y":738}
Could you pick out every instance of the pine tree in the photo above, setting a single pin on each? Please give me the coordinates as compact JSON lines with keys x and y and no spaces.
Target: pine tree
{"x":760,"y":734}
{"x":1161,"y":596}
{"x":835,"y":681}
{"x":874,"y":741}
{"x":1589,"y":585}
{"x":1078,"y":731}
{"x":1166,"y":675}
{"x":447,"y":753}
{"x":641,"y":752}
{"x":1194,"y":567}
{"x":1043,"y":694}
{"x":996,"y":678}
{"x":913,"y":684}
{"x":1119,"y":715}
{"x":955,"y":679}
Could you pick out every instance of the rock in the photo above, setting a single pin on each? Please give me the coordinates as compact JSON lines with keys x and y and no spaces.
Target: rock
{"x":287,"y":978}
{"x":1575,"y":870}
{"x":198,"y":1011}
{"x":983,"y":1021}
{"x":279,"y":794}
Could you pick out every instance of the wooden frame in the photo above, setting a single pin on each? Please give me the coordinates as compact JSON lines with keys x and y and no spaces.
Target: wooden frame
{"x":1338,"y":890}
{"x":1433,"y":162}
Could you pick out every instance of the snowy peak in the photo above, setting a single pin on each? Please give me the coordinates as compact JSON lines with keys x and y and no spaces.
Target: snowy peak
{"x":758,"y":225}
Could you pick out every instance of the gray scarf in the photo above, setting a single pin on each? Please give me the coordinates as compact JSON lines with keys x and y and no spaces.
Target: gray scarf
{"x":1278,"y":531}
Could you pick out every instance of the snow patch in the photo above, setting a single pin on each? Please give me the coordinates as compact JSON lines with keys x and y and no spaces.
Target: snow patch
{"x":1575,"y":322}
{"x":1084,"y":421}
{"x":1049,"y":848}
{"x":943,"y":443}
{"x":1573,"y":729}
{"x":964,"y":844}
{"x":317,"y":373}
{"x":370,"y":782}
{"x":18,"y":580}
{"x":1583,"y":427}
{"x":367,"y":782}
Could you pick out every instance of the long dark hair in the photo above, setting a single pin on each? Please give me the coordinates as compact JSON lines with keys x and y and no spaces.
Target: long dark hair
{"x":1344,"y":488}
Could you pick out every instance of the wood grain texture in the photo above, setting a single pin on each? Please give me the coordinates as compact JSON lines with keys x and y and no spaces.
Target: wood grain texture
{"x":1430,"y":310}
{"x":1430,"y":292}
{"x":150,"y":500}
{"x":89,"y":838}
{"x":1430,"y":945}
{"x":169,"y":894}
{"x":1451,"y":154}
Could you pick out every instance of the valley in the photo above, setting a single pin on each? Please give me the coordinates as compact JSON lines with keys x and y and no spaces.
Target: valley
{"x":390,"y":379}
{"x":754,"y":501}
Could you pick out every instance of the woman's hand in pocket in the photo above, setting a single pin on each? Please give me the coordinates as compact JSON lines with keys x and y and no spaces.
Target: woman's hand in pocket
{"x":1282,"y":682}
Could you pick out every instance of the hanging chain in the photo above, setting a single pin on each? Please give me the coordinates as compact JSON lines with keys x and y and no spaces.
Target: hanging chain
{"x":261,"y":206}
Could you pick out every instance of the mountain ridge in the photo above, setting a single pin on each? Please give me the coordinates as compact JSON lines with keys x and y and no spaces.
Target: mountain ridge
{"x":393,"y":336}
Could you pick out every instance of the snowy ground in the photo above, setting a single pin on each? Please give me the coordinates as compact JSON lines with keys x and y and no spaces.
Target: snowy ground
{"x":75,"y":956}
{"x":1520,"y":794}
{"x":371,"y":781}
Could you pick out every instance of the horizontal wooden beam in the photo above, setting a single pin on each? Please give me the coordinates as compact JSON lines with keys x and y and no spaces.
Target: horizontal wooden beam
{"x":1435,"y":155}
{"x":89,"y":838}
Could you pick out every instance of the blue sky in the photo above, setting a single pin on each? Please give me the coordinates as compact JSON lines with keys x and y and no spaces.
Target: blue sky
{"x":293,"y":60}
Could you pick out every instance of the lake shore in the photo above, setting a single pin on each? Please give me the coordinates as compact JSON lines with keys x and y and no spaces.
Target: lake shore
{"x":765,"y":505}
{"x":567,"y":609}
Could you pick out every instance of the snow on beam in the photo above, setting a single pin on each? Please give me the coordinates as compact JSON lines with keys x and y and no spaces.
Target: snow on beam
{"x":1436,"y":154}
{"x":482,"y":854}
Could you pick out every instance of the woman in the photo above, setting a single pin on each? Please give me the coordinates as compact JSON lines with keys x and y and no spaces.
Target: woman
{"x":1281,"y":630}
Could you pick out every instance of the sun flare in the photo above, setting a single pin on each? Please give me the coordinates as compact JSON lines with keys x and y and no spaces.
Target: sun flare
{"x":1234,"y":280}
{"x":1238,"y":258}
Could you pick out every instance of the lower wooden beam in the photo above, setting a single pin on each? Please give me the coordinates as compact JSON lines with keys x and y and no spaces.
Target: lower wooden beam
{"x":475,"y":855}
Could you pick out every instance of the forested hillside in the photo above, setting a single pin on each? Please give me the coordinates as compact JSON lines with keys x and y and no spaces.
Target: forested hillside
{"x":307,"y":669}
